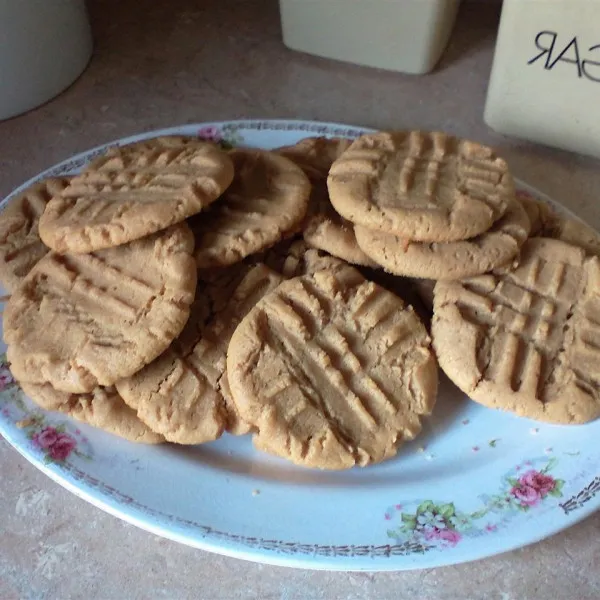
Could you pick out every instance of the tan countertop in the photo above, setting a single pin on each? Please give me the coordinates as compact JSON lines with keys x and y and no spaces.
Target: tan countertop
{"x":158,"y":64}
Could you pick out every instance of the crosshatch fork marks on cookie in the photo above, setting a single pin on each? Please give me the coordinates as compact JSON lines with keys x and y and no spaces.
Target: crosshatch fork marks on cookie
{"x":332,"y":370}
{"x":537,"y":327}
{"x":422,"y":186}
{"x":79,"y":321}
{"x":132,"y":192}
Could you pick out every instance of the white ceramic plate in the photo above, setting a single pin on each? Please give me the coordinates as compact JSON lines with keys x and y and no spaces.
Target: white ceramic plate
{"x":476,"y":482}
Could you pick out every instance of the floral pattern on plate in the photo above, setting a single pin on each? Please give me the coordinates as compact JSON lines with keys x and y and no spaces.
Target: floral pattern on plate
{"x":55,"y":441}
{"x":442,"y":525}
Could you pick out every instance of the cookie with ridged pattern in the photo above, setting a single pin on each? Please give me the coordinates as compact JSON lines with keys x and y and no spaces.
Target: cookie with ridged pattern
{"x":133,"y":191}
{"x":183,"y":394}
{"x":421,"y":186}
{"x":266,"y":202}
{"x":79,"y":321}
{"x":332,"y":371}
{"x":526,"y":339}
{"x":20,"y":244}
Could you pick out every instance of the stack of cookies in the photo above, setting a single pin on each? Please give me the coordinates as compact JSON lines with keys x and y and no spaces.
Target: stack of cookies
{"x":172,"y":292}
{"x":429,"y":205}
{"x":165,"y":294}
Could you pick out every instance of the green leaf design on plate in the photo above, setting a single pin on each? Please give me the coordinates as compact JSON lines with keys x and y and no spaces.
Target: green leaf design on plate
{"x":479,"y":513}
{"x":551,"y":464}
{"x":427,"y":506}
{"x":447,"y":510}
{"x":409,"y":520}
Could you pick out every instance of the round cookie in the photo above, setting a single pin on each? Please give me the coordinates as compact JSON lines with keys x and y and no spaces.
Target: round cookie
{"x":449,"y":260}
{"x":133,"y":191}
{"x":324,"y":228}
{"x":427,"y":187}
{"x":102,"y":408}
{"x":180,"y":394}
{"x":526,"y":338}
{"x":332,"y":370}
{"x":86,"y":320}
{"x":267,"y":201}
{"x":20,"y":244}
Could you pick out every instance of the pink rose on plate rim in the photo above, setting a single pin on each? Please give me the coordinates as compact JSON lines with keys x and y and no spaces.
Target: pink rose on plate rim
{"x":532,"y":487}
{"x":527,"y":496}
{"x":58,"y":446}
{"x":62,"y":447}
{"x":210,"y":133}
{"x":45,"y":438}
{"x":544,"y":484}
{"x":448,"y":537}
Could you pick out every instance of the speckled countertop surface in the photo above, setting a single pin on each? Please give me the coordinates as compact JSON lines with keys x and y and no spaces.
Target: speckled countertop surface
{"x":160,"y":63}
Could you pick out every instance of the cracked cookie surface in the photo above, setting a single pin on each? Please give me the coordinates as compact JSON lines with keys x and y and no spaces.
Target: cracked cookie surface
{"x":332,"y":370}
{"x":526,"y":339}
{"x":84,"y":320}
{"x":182,"y":394}
{"x":266,"y":202}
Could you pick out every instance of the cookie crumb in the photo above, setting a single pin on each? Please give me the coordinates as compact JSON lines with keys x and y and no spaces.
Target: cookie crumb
{"x":23,"y":423}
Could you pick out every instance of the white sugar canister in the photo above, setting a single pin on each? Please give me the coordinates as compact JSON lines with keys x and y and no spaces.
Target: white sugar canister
{"x":44,"y":46}
{"x":399,"y":35}
{"x":545,"y":80}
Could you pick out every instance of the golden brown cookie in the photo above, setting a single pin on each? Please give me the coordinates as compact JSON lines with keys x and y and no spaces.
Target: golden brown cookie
{"x":133,"y":191}
{"x":332,"y":370}
{"x":427,"y":187}
{"x":87,"y":320}
{"x":267,"y":201}
{"x":449,"y":260}
{"x":20,"y":244}
{"x":526,"y":339}
{"x":324,"y":228}
{"x":180,"y":394}
{"x":102,"y":408}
